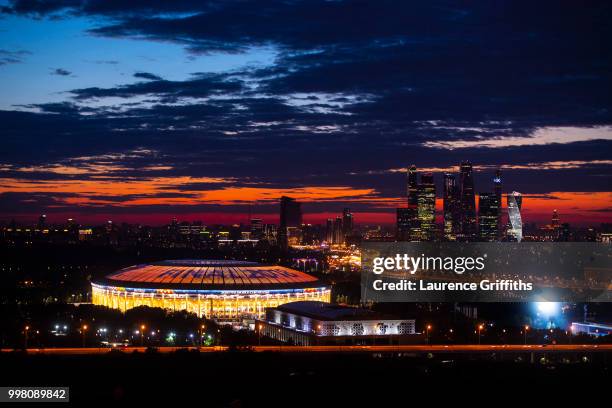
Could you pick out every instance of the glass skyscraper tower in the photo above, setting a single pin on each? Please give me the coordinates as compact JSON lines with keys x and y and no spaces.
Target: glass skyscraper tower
{"x":515,"y":227}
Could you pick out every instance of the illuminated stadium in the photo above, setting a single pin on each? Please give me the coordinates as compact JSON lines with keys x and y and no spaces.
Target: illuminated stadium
{"x":218,"y":289}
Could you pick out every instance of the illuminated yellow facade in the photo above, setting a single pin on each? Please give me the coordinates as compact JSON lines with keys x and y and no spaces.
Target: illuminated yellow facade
{"x":222,"y":290}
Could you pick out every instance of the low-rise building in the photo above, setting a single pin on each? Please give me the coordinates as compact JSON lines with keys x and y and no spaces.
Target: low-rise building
{"x":310,"y":323}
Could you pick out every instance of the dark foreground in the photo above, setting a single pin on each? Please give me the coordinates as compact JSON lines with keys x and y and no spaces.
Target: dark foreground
{"x":244,"y":378}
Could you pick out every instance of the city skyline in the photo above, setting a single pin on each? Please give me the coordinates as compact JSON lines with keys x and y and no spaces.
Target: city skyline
{"x":137,"y":113}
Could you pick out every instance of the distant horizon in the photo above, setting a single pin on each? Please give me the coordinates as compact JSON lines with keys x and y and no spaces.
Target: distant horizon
{"x":387,"y":219}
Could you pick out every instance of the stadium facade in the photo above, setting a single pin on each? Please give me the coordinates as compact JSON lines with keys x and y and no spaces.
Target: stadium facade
{"x":218,"y":289}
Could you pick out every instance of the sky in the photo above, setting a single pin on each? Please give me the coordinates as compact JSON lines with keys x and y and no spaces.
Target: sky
{"x":142,"y":111}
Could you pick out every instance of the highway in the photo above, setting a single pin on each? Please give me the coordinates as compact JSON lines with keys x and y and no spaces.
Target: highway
{"x":462,"y":348}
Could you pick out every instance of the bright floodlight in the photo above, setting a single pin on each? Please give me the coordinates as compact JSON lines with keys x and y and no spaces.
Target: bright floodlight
{"x":547,"y":308}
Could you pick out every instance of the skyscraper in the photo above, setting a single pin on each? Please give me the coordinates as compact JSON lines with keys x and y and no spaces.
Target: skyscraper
{"x":403,"y":224}
{"x":412,"y":187}
{"x":451,"y":208}
{"x":290,"y":217}
{"x":257,"y":228}
{"x":338,"y":237}
{"x":329,"y":231}
{"x":497,"y":189}
{"x":555,"y":222}
{"x":468,"y":222}
{"x":347,"y":223}
{"x":556,"y":225}
{"x":426,"y":208}
{"x":488,"y":207}
{"x":413,"y":203}
{"x":515,"y":230}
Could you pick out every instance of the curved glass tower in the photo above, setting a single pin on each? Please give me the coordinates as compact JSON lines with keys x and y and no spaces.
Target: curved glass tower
{"x":514,"y":214}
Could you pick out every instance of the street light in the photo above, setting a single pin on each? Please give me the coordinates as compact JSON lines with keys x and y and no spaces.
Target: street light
{"x":202,"y":328}
{"x":25,"y":337}
{"x":142,"y":331}
{"x":526,"y":329}
{"x":480,"y":327}
{"x":83,"y":330}
{"x":259,"y":333}
{"x":427,"y":329}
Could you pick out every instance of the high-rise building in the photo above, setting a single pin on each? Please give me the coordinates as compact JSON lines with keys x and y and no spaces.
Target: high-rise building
{"x":451,"y":208}
{"x":515,"y":230}
{"x":347,"y":223}
{"x":257,"y":228}
{"x":555,"y":222}
{"x":338,"y":238}
{"x":426,"y":208}
{"x":334,"y":232}
{"x":556,"y":225}
{"x":403,"y":224}
{"x":497,"y":190}
{"x":488,"y":207}
{"x":413,"y":203}
{"x":290,"y":217}
{"x":329,"y":231}
{"x":413,"y":187}
{"x":468,"y":222}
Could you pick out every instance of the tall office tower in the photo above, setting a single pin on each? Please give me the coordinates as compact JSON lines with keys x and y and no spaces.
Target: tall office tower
{"x":338,"y":238}
{"x":403,"y":224}
{"x":515,"y":230}
{"x":556,"y":225}
{"x":329,"y":231}
{"x":257,"y":228}
{"x":488,"y":207}
{"x":451,"y":208}
{"x":555,"y":222}
{"x":468,"y":222}
{"x":413,"y":203}
{"x":497,"y":189}
{"x":426,"y":208}
{"x":347,"y":223}
{"x":290,"y":217}
{"x":413,"y":187}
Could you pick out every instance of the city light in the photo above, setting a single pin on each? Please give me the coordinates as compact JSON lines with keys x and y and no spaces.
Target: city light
{"x":547,"y":309}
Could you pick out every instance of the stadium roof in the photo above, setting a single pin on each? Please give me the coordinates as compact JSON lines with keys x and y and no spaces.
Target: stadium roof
{"x":326,"y":311}
{"x":210,"y":274}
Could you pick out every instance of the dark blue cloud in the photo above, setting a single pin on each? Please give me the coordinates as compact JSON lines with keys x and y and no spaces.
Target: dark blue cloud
{"x":200,"y":86}
{"x":357,"y":88}
{"x":60,"y":72}
{"x":12,"y":57}
{"x":147,"y":75}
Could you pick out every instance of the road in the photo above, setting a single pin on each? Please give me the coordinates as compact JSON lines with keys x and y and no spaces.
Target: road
{"x":462,"y":348}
